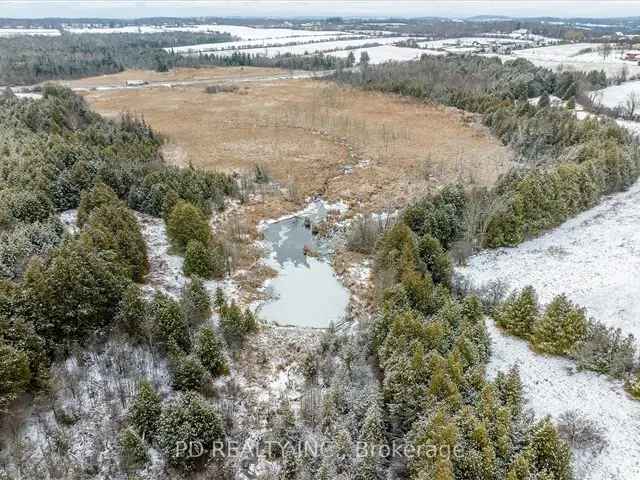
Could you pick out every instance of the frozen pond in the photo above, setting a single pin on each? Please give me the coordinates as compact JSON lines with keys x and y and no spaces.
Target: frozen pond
{"x":306,"y":291}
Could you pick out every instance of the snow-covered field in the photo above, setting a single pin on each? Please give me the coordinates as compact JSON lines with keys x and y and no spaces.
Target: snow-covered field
{"x":262,"y":42}
{"x":15,"y":32}
{"x":470,"y":41}
{"x":552,"y":387}
{"x":385,"y":53}
{"x":309,"y":48}
{"x":569,"y":57}
{"x":617,"y":95}
{"x":242,"y":32}
{"x":594,"y":258}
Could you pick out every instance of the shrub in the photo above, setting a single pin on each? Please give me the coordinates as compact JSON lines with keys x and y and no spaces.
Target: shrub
{"x":144,"y":413}
{"x":187,"y":373}
{"x":210,"y":352}
{"x":187,"y":222}
{"x":131,"y":313}
{"x":206,"y":261}
{"x":519,"y":313}
{"x":580,"y":432}
{"x":15,"y":373}
{"x":112,"y":227}
{"x":187,"y":419}
{"x":133,"y":451}
{"x":435,"y":259}
{"x":75,"y":294}
{"x":363,"y":234}
{"x":605,"y":350}
{"x":170,"y":327}
{"x":561,"y":327}
{"x":99,"y":196}
{"x":195,"y":302}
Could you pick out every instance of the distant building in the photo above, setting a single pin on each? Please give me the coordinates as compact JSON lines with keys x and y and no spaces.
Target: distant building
{"x":632,"y":55}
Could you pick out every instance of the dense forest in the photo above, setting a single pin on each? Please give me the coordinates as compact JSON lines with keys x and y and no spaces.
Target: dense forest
{"x":32,"y":59}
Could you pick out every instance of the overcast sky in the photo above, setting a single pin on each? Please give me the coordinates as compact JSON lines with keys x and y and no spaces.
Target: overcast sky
{"x":368,"y":8}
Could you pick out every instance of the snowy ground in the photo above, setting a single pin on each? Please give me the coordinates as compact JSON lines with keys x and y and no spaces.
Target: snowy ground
{"x":594,"y":258}
{"x":552,"y":386}
{"x":617,"y":95}
{"x":569,"y":57}
{"x":242,"y":32}
{"x":386,"y":53}
{"x":259,"y":43}
{"x":15,"y":32}
{"x":309,"y":48}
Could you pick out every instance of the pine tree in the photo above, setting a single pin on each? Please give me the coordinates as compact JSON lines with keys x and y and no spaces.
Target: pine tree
{"x":132,"y":313}
{"x":549,"y":453}
{"x":195,"y":302}
{"x":210,"y":351}
{"x":562,"y":326}
{"x":145,"y":410}
{"x":519,"y":313}
{"x":187,"y":222}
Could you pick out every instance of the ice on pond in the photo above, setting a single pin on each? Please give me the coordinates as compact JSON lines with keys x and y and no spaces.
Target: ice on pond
{"x":306,"y":291}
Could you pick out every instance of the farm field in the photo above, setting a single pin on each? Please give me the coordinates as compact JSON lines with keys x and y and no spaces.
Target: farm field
{"x":306,"y":48}
{"x":386,"y":53}
{"x":570,"y":57}
{"x":618,"y":95}
{"x":175,"y":75}
{"x":371,"y":150}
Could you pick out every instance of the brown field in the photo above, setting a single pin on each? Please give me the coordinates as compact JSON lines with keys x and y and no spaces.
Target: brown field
{"x":176,"y":75}
{"x":372,"y":150}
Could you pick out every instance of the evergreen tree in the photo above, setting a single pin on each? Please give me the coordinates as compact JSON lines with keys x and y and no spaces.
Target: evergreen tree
{"x":132,"y":312}
{"x":187,"y":222}
{"x":145,"y":410}
{"x":435,"y":259}
{"x":210,"y":351}
{"x":562,"y":326}
{"x":195,"y":302}
{"x":99,"y":196}
{"x":544,"y":100}
{"x":519,"y":313}
{"x":549,"y":453}
{"x":189,"y":418}
{"x":170,"y":327}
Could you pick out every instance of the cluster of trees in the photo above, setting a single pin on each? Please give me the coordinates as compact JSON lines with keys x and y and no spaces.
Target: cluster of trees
{"x":287,"y":61}
{"x":57,"y":289}
{"x":564,"y":329}
{"x":476,"y":84}
{"x":566,"y":164}
{"x":578,"y":161}
{"x":430,"y":347}
{"x":33,"y":59}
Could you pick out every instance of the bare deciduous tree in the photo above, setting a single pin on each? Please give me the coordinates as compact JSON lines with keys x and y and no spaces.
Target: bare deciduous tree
{"x":632,"y":102}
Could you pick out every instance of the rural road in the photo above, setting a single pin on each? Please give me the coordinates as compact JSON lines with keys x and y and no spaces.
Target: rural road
{"x":293,"y":75}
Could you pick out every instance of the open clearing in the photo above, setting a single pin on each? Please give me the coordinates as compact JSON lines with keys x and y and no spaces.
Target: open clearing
{"x":593,"y":258}
{"x":371,"y":150}
{"x":552,"y":387}
{"x":176,"y":75}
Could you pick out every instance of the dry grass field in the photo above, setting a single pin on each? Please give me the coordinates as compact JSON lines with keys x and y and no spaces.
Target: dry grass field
{"x":176,"y":75}
{"x":372,"y":150}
